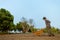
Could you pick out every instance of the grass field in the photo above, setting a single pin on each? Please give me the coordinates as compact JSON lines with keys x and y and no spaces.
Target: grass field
{"x":28,"y":36}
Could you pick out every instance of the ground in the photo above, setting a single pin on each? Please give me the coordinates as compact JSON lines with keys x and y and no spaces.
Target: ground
{"x":28,"y":36}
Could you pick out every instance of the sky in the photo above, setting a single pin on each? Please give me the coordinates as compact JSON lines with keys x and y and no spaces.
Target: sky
{"x":34,"y":9}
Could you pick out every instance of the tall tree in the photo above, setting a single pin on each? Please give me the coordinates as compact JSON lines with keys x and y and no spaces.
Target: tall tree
{"x":6,"y":20}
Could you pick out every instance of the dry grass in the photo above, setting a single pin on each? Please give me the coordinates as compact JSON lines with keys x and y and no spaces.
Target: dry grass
{"x":38,"y":33}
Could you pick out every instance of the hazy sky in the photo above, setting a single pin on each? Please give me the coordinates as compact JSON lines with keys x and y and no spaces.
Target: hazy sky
{"x":34,"y":9}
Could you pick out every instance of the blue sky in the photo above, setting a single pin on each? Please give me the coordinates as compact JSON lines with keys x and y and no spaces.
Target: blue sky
{"x":34,"y":9}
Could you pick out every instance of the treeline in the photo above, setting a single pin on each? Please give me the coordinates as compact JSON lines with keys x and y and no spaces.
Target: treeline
{"x":7,"y":23}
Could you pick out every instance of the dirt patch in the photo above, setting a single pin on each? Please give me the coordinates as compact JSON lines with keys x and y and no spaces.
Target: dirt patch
{"x":28,"y":37}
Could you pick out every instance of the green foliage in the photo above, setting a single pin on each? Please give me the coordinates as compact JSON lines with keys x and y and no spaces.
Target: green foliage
{"x":6,"y":20}
{"x":53,"y":29}
{"x":19,"y":26}
{"x":33,"y":29}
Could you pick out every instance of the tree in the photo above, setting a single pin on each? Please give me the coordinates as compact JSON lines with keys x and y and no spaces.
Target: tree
{"x":25,"y":25}
{"x":31,"y":25}
{"x":19,"y":26}
{"x":6,"y":20}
